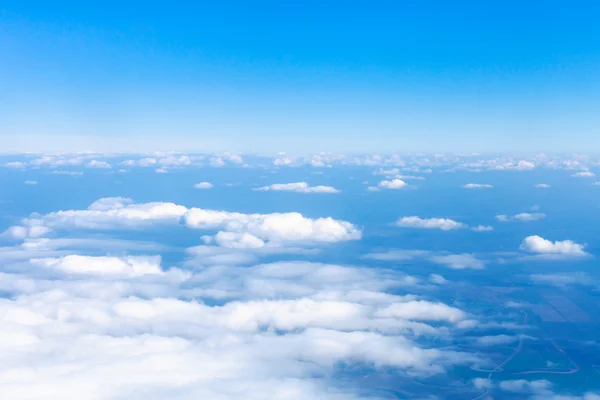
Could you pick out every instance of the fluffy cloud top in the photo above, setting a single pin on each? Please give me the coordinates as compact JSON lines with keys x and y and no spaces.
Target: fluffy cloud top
{"x":203,"y":185}
{"x":459,"y":261}
{"x":300,"y":187}
{"x":392,"y":184}
{"x":538,"y":244}
{"x":277,"y":228}
{"x":521,"y":217}
{"x":444,"y":224}
{"x":107,"y":266}
{"x":477,"y":186}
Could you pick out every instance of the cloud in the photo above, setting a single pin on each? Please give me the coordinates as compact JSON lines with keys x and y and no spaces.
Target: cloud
{"x":105,"y":266}
{"x":482,"y":383}
{"x":24,"y":232}
{"x":423,"y":311}
{"x":521,"y":217}
{"x":15,"y":165}
{"x":123,"y":213}
{"x":496,"y":340}
{"x":524,"y":386}
{"x":560,"y":280}
{"x":203,"y":185}
{"x":31,"y":182}
{"x":397,"y":255}
{"x":429,"y":223}
{"x":482,"y":228}
{"x":277,"y":228}
{"x":542,"y":185}
{"x":392,"y":184}
{"x":98,"y":164}
{"x":162,"y":171}
{"x":437,"y":279}
{"x":299,"y":187}
{"x":537,"y":244}
{"x":584,"y":174}
{"x":477,"y":186}
{"x":459,"y":261}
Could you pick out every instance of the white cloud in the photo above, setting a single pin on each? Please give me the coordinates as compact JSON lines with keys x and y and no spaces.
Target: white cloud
{"x":161,"y":171}
{"x":15,"y":164}
{"x":277,"y":228}
{"x":300,"y":187}
{"x":496,"y":340}
{"x":392,"y":184}
{"x":217,"y":162}
{"x":31,"y":182}
{"x":477,"y":186}
{"x":537,"y":244}
{"x":70,"y":173}
{"x":203,"y":185}
{"x":524,"y":386}
{"x":542,"y":185}
{"x":526,"y":217}
{"x":444,"y":224}
{"x":105,"y":266}
{"x":423,"y":311}
{"x":437,"y":279}
{"x":584,"y":174}
{"x":482,"y":228}
{"x":459,"y":261}
{"x":98,"y":164}
{"x":482,"y":383}
{"x":24,"y":232}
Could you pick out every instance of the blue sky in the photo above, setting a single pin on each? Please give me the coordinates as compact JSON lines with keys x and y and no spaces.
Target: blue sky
{"x":270,"y":76}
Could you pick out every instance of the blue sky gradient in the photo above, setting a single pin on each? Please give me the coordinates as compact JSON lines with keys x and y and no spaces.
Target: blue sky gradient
{"x":272,"y":76}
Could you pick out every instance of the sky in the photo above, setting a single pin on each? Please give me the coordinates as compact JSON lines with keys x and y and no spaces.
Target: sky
{"x":269,"y":76}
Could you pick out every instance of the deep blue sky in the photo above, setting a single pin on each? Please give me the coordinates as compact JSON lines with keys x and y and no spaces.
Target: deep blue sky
{"x":309,"y":76}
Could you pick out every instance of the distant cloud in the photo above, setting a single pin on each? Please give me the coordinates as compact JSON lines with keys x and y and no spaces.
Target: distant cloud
{"x":482,"y":228}
{"x":542,"y":185}
{"x":524,"y":386}
{"x":496,"y":340}
{"x":584,"y":174}
{"x":437,"y":279}
{"x":31,"y":182}
{"x":444,"y":224}
{"x":299,"y":187}
{"x":203,"y":185}
{"x":521,"y":217}
{"x":162,"y":170}
{"x":15,"y":165}
{"x":459,"y":261}
{"x":98,"y":164}
{"x":537,"y":244}
{"x":477,"y":186}
{"x":563,"y":279}
{"x":392,"y":184}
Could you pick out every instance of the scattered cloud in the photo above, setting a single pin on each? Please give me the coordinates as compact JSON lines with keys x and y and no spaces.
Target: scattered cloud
{"x":31,"y":182}
{"x":537,"y":244}
{"x":392,"y":184}
{"x":521,"y":217}
{"x":584,"y":174}
{"x":482,"y":228}
{"x":542,"y":186}
{"x":203,"y":185}
{"x":477,"y":186}
{"x":299,"y":187}
{"x":496,"y":340}
{"x":437,"y":279}
{"x":444,"y":224}
{"x":459,"y":261}
{"x":98,"y":164}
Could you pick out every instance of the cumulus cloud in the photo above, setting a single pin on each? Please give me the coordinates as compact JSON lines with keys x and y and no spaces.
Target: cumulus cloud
{"x":521,"y":217}
{"x":300,"y":187}
{"x":459,"y":261}
{"x":106,"y":266}
{"x":277,"y":228}
{"x":542,"y":186}
{"x":15,"y":165}
{"x":477,"y":186}
{"x":482,"y":228}
{"x":203,"y":185}
{"x":24,"y":232}
{"x":537,"y":244}
{"x":584,"y":174}
{"x":444,"y":224}
{"x":98,"y":164}
{"x":392,"y":184}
